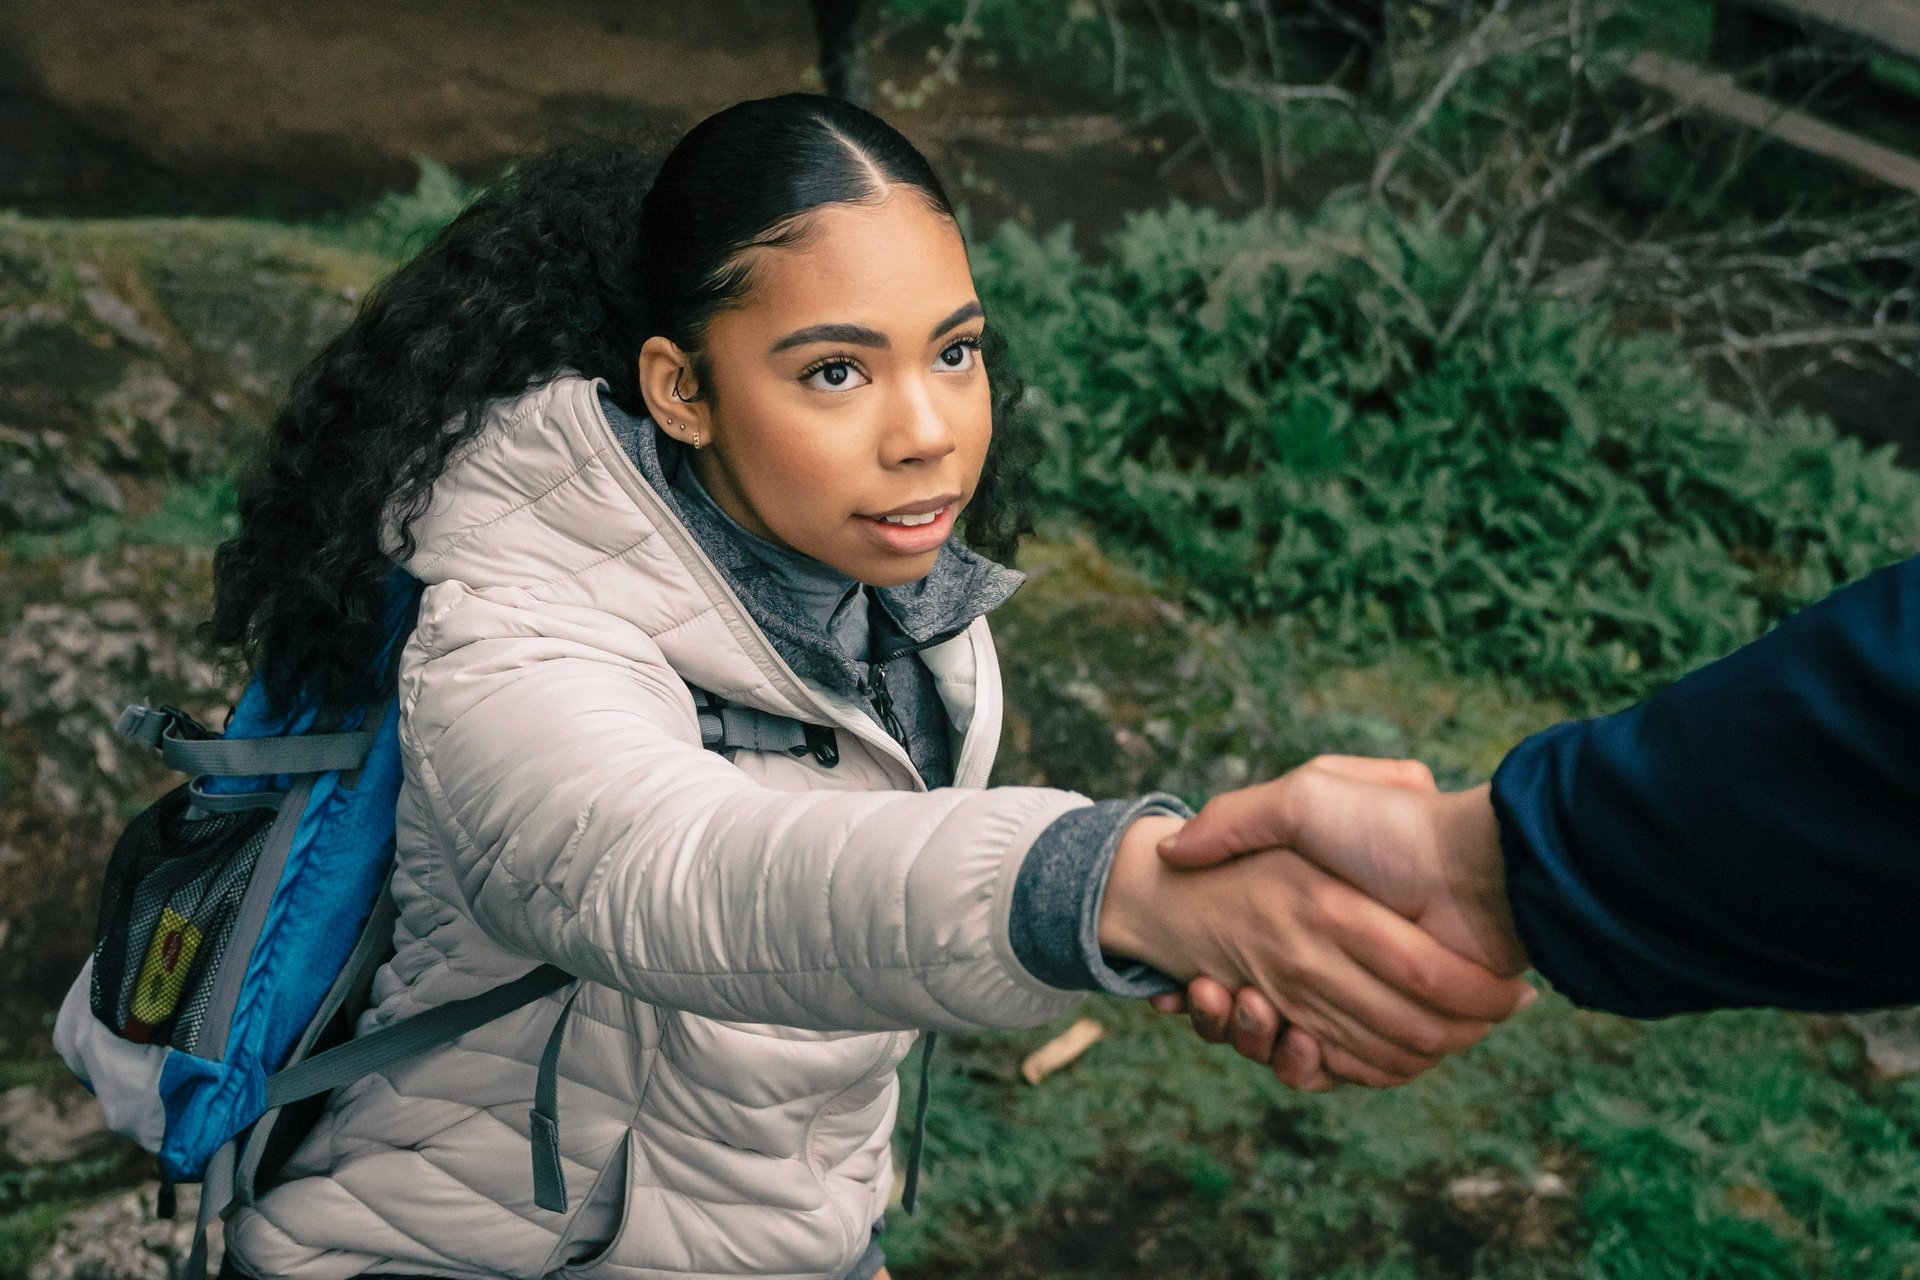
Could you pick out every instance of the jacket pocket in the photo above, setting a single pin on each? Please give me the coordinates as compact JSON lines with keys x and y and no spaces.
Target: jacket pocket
{"x":618,"y":1173}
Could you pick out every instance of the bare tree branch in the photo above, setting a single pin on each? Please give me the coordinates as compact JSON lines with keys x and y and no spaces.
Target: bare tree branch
{"x":950,"y":63}
{"x":1472,"y":53}
{"x":1776,"y":302}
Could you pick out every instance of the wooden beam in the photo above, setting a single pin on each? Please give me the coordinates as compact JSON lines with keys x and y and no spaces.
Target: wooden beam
{"x":1718,"y":95}
{"x":1891,"y":24}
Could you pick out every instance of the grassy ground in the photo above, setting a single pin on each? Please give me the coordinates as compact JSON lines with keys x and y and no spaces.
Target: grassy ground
{"x":1569,"y":1144}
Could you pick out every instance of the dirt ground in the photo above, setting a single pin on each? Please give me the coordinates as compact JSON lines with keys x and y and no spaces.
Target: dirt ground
{"x":287,"y":108}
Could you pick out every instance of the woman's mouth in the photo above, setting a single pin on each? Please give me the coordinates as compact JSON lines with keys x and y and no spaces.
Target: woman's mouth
{"x":911,"y":522}
{"x":915,"y":528}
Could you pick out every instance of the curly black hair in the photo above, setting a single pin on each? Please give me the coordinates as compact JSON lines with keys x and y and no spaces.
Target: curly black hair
{"x":570,"y":262}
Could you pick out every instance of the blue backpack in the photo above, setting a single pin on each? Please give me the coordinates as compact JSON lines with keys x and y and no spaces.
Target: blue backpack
{"x":241,"y":921}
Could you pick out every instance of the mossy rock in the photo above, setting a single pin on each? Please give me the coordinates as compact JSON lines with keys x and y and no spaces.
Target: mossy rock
{"x":1112,"y":690}
{"x":139,"y":355}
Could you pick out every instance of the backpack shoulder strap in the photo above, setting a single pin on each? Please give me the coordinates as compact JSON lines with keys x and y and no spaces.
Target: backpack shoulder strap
{"x":363,"y":1054}
{"x":189,"y":747}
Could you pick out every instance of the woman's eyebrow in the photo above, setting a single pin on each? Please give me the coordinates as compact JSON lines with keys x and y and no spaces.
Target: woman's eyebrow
{"x":856,"y":334}
{"x":967,"y":312}
{"x":860,"y":336}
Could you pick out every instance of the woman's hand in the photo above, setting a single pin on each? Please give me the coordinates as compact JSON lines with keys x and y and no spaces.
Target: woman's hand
{"x":1381,"y":999}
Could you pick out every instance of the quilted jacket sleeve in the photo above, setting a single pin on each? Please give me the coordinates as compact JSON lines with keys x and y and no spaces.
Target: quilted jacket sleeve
{"x":586,"y":827}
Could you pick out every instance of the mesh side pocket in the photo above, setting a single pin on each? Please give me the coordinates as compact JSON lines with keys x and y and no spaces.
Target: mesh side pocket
{"x":173,"y":889}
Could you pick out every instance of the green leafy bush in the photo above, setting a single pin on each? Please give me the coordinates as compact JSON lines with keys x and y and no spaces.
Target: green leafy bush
{"x":1267,"y":410}
{"x":193,"y":515}
{"x":399,"y":224}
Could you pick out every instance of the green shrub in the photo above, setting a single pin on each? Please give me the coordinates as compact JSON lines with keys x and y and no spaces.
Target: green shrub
{"x":1264,"y":408}
{"x":202,"y":514}
{"x":399,"y":224}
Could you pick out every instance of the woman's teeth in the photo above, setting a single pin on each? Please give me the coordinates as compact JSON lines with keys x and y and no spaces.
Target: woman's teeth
{"x":910,"y":521}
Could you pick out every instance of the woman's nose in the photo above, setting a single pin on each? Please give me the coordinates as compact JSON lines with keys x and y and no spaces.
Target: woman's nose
{"x":918,"y":430}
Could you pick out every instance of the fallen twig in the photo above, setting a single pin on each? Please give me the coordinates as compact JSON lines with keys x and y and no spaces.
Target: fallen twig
{"x":1061,"y":1050}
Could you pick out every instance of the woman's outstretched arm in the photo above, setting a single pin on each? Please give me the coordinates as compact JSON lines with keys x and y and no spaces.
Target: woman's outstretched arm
{"x":590,"y":830}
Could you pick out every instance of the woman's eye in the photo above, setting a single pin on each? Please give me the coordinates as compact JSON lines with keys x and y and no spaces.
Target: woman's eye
{"x":834,"y":375}
{"x":960,"y":356}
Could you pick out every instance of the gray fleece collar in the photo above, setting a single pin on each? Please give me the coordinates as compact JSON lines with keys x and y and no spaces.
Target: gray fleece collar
{"x":822,"y":598}
{"x":963,"y":585}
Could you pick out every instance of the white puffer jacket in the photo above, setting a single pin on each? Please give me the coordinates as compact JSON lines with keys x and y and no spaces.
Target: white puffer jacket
{"x":758,"y":939}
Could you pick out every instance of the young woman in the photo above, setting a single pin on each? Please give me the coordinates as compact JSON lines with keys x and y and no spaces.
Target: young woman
{"x":650,"y":437}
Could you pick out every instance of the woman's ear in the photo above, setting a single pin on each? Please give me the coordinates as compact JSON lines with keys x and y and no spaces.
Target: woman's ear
{"x":674,"y":399}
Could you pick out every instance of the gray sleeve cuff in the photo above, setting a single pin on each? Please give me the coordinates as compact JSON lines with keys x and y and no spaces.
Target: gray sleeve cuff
{"x":1055,"y":921}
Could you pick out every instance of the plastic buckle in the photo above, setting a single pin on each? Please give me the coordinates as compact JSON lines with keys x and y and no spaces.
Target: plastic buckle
{"x":823,"y":743}
{"x":143,"y":724}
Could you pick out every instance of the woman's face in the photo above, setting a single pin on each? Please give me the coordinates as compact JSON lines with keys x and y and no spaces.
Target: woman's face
{"x":847,"y":389}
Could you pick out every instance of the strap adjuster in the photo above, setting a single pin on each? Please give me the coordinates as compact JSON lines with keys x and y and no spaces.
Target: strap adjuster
{"x":726,"y":727}
{"x":141,"y":725}
{"x":147,"y":725}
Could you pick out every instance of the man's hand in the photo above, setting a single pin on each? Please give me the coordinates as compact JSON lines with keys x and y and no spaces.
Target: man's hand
{"x":1382,"y":1001}
{"x":1432,"y":856}
{"x":1381,"y":826}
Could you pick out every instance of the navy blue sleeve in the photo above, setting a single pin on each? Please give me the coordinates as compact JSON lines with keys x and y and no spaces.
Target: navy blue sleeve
{"x":1748,"y":836}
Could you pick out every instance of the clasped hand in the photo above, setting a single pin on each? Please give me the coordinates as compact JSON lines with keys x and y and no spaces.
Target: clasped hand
{"x":1345,"y":922}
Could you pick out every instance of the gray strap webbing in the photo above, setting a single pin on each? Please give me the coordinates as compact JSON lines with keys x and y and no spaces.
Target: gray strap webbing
{"x":362,"y":1054}
{"x":549,"y":1180}
{"x":263,"y":757}
{"x":910,"y":1196}
{"x":216,"y":1191}
{"x":196,"y":1264}
{"x":239,"y":757}
{"x":351,"y":778}
{"x":224,"y":802}
{"x":348,"y":990}
{"x":730,"y":727}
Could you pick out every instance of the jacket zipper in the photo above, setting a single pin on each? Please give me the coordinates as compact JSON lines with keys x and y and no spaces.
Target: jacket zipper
{"x":876,"y":690}
{"x":665,"y":518}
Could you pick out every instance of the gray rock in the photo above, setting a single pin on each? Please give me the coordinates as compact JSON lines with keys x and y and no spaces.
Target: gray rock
{"x":114,"y":312}
{"x":1891,"y":1038}
{"x":121,"y":1239}
{"x":130,"y":363}
{"x":34,"y":501}
{"x":90,"y":487}
{"x":49,"y":1124}
{"x":45,"y":485}
{"x":1112,"y":690}
{"x":123,"y":630}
